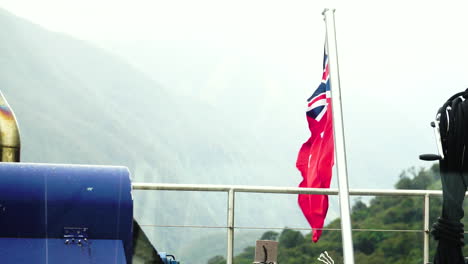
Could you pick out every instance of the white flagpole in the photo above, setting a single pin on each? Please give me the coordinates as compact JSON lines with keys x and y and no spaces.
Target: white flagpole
{"x":338,"y":128}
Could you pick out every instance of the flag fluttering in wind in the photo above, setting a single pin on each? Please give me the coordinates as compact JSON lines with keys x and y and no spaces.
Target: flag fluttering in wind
{"x":316,"y":156}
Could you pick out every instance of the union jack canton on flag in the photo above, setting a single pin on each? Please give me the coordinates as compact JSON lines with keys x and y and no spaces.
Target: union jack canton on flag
{"x":316,"y":156}
{"x":317,"y":102}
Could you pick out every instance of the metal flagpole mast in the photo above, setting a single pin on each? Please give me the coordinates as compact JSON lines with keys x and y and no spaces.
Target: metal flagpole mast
{"x":338,"y":128}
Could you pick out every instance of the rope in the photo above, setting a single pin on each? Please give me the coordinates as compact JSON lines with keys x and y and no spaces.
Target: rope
{"x":453,"y":127}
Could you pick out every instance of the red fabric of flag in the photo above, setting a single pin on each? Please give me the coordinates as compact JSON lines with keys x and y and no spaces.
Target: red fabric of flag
{"x":316,"y":156}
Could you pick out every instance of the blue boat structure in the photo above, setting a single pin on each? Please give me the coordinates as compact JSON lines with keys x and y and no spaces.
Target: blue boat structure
{"x":65,"y":213}
{"x":52,"y":213}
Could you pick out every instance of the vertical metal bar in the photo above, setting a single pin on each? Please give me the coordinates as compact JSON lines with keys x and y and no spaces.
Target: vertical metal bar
{"x":338,"y":128}
{"x":426,"y":229}
{"x":436,"y":127}
{"x":230,"y":227}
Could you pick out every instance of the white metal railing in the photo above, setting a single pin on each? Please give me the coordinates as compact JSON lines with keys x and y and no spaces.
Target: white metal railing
{"x":232,"y":189}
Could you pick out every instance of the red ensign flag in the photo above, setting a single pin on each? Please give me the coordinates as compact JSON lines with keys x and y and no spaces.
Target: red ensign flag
{"x":316,"y":156}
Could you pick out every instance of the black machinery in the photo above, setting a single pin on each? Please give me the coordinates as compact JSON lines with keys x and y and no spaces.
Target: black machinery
{"x":451,"y":131}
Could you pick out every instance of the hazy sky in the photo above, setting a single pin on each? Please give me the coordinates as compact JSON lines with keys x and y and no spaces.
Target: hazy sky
{"x":399,"y":60}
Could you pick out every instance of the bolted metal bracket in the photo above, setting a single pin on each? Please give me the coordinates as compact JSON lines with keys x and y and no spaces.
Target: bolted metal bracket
{"x":75,"y":235}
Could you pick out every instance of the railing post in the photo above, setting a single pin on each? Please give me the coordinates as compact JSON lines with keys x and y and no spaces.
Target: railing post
{"x":426,"y":228}
{"x":232,"y":189}
{"x":230,"y":227}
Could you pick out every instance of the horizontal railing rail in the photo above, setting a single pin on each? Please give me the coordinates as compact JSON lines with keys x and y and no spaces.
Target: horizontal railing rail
{"x":232,"y":189}
{"x":274,"y":189}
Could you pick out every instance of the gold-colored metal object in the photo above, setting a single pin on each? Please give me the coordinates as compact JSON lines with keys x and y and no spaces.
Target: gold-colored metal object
{"x":10,"y":144}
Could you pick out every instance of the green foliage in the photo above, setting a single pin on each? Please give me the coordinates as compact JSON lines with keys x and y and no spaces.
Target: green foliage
{"x":217,"y":260}
{"x":383,"y":213}
{"x":246,"y":257}
{"x":290,"y":238}
{"x":418,"y":180}
{"x":270,"y":235}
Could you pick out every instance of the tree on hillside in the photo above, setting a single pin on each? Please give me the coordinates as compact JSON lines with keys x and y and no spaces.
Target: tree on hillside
{"x":383,"y":213}
{"x":270,"y":235}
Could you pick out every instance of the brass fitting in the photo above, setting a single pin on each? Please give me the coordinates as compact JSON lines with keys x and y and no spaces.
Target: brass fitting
{"x":10,"y":144}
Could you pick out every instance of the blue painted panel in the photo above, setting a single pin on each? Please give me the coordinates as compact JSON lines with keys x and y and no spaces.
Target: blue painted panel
{"x":55,"y":251}
{"x":40,"y":200}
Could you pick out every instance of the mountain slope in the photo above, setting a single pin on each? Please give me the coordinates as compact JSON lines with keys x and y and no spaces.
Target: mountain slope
{"x":76,"y":103}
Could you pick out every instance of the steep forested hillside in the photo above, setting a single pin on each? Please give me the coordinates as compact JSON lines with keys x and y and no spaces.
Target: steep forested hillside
{"x":382,"y":213}
{"x":76,"y":103}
